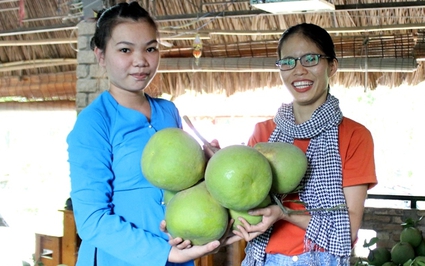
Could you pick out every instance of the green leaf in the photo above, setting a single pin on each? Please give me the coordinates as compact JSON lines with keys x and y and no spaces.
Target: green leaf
{"x":409,"y":222}
{"x":372,"y":242}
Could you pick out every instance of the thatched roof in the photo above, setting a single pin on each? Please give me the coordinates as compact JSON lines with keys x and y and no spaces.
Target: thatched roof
{"x":38,"y":48}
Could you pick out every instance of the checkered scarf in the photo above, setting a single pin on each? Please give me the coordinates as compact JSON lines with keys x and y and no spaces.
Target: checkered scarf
{"x":322,"y":183}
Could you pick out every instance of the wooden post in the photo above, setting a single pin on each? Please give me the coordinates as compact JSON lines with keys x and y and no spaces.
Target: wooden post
{"x":70,"y":239}
{"x":207,"y":260}
{"x":237,"y":252}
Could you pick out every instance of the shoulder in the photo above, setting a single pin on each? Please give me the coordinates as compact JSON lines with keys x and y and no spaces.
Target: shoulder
{"x":160,"y":101}
{"x":99,"y":108}
{"x":262,"y":132}
{"x":166,"y":110}
{"x":351,"y":124}
{"x":351,"y":129}
{"x":265,"y":126}
{"x":163,"y":103}
{"x":96,"y":116}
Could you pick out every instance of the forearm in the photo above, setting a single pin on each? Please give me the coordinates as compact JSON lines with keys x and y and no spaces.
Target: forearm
{"x":355,"y":197}
{"x":300,"y":220}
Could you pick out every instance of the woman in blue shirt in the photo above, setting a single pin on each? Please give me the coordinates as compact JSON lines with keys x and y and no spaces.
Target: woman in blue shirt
{"x":117,"y":211}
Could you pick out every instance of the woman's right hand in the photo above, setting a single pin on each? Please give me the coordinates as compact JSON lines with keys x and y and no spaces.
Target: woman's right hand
{"x":271,"y":214}
{"x":209,"y":151}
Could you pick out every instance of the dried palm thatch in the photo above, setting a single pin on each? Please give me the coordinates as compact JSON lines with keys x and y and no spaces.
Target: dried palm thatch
{"x":43,"y":42}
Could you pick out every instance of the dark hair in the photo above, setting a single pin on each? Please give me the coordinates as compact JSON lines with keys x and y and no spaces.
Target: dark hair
{"x":315,"y":34}
{"x":108,"y":18}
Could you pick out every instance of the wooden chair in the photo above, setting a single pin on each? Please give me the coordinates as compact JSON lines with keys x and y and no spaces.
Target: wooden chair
{"x":48,"y":249}
{"x":54,"y":250}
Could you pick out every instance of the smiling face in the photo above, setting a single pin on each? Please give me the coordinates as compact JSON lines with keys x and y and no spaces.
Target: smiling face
{"x":131,"y":56}
{"x":308,"y":85}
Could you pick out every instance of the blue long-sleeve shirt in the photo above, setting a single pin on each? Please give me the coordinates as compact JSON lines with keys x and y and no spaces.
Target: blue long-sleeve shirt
{"x":117,"y":211}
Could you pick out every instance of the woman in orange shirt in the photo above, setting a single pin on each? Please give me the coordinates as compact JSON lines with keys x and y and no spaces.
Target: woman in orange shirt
{"x":340,"y":157}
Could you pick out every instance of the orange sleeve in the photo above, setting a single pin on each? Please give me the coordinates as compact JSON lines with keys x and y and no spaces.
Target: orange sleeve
{"x":262,"y":132}
{"x":357,"y":154}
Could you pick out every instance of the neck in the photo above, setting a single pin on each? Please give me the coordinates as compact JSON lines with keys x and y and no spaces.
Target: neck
{"x":304,"y":112}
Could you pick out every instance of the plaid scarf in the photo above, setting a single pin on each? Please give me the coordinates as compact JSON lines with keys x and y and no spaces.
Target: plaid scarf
{"x":322,"y":183}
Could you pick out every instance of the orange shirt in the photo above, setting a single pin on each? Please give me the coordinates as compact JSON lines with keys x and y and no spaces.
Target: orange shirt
{"x":358,"y":167}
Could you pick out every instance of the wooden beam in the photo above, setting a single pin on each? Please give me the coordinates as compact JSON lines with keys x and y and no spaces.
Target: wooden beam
{"x":38,"y":106}
{"x":39,"y":42}
{"x":266,"y":64}
{"x":11,"y":66}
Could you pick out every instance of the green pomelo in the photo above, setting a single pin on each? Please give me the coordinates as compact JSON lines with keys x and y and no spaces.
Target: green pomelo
{"x":168,"y":194}
{"x":193,"y":214}
{"x":239,"y":177}
{"x":389,"y":263}
{"x":288,"y":163}
{"x":173,"y":160}
{"x":402,"y":252}
{"x":411,"y":235}
{"x":420,"y":249}
{"x":379,"y":256}
{"x":251,"y":219}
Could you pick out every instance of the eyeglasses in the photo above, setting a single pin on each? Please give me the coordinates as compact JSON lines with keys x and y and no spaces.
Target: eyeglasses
{"x":307,"y":60}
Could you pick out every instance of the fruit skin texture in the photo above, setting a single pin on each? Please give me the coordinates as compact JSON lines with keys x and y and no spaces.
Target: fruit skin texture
{"x":193,"y":214}
{"x":288,"y":163}
{"x":389,"y":263}
{"x":251,"y":219}
{"x":168,"y":194}
{"x":420,"y":249}
{"x":379,"y":256}
{"x":411,"y":235}
{"x":239,"y":177}
{"x":402,"y":252}
{"x":173,"y":160}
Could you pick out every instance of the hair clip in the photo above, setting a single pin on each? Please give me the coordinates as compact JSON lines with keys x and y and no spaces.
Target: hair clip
{"x":103,"y":13}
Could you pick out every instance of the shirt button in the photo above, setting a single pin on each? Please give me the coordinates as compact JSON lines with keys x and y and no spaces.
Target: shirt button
{"x":150,"y":126}
{"x":295,"y":258}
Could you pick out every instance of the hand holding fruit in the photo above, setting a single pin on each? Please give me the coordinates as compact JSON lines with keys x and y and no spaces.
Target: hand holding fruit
{"x":177,"y":255}
{"x":269,"y":214}
{"x":209,"y":152}
{"x":177,"y":241}
{"x":202,"y":194}
{"x":229,"y":237}
{"x":190,"y":252}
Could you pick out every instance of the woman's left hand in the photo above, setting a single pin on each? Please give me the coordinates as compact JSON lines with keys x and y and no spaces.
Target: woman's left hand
{"x":177,"y":242}
{"x":227,"y":239}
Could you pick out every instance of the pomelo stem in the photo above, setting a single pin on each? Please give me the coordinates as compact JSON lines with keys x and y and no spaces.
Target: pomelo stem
{"x":206,"y":143}
{"x":277,"y":201}
{"x":289,"y":212}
